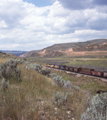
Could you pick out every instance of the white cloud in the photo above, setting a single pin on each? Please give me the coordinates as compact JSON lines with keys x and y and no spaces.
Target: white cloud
{"x":3,"y":24}
{"x":25,"y":26}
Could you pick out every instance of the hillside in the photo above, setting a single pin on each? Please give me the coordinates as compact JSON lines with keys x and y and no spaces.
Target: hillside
{"x":17,"y":53}
{"x":6,"y":55}
{"x":30,"y":54}
{"x":80,"y":45}
{"x":71,"y":49}
{"x":28,"y":93}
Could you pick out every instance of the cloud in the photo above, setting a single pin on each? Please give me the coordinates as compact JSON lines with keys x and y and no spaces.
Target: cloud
{"x":24,"y":26}
{"x":100,"y":2}
{"x":11,"y":12}
{"x":76,"y":4}
{"x":82,"y":4}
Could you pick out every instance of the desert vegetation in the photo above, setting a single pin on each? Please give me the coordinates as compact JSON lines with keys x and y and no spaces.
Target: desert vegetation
{"x":29,"y":91}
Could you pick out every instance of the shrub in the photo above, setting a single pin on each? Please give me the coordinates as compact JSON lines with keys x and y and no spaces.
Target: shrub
{"x":4,"y":84}
{"x":17,"y":74}
{"x":39,"y":69}
{"x":60,"y":99}
{"x":46,"y":72}
{"x":53,"y":75}
{"x":1,"y":75}
{"x":97,"y":109}
{"x":63,"y":83}
{"x":9,"y":69}
{"x":36,"y":67}
{"x":68,"y":84}
{"x":58,"y":79}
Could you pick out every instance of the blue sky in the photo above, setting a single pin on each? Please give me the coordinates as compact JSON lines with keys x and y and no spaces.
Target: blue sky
{"x":36,"y":24}
{"x":40,"y":3}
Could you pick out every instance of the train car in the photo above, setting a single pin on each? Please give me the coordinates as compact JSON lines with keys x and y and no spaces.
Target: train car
{"x":79,"y":70}
{"x":56,"y":66}
{"x":71,"y":69}
{"x":86,"y":71}
{"x":97,"y":73}
{"x":47,"y":65}
{"x":52,"y":65}
{"x":105,"y":74}
{"x":62,"y":67}
{"x":76,"y":69}
{"x":67,"y":68}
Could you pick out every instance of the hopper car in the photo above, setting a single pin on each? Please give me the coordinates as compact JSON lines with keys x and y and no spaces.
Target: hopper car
{"x":81,"y":70}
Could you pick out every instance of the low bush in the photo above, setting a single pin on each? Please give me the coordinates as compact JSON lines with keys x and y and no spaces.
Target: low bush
{"x":60,"y":99}
{"x":68,"y":84}
{"x":59,"y":81}
{"x":4,"y":84}
{"x":63,"y":83}
{"x":9,"y":69}
{"x":35,"y":66}
{"x":46,"y":71}
{"x":97,"y":109}
{"x":53,"y":75}
{"x":38,"y":68}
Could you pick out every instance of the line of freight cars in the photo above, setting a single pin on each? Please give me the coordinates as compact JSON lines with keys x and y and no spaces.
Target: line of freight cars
{"x":86,"y":71}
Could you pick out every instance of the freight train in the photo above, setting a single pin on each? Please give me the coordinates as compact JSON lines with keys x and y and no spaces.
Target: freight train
{"x":86,"y":71}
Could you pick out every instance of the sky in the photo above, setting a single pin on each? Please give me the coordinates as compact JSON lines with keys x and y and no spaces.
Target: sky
{"x":35,"y":24}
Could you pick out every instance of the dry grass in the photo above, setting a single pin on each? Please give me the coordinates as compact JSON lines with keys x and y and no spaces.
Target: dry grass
{"x":32,"y":99}
{"x":2,"y":60}
{"x":84,"y":82}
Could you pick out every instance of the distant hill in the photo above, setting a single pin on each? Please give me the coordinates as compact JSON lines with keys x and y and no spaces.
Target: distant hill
{"x":54,"y":54}
{"x":71,"y":49}
{"x":7,"y":55}
{"x":77,"y":45}
{"x":17,"y":53}
{"x":30,"y":54}
{"x":94,"y":45}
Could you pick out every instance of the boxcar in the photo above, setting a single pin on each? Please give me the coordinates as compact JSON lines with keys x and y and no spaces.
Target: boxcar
{"x":56,"y":66}
{"x":66,"y":68}
{"x":71,"y":69}
{"x":52,"y":66}
{"x":76,"y":69}
{"x":62,"y":67}
{"x":86,"y":71}
{"x":47,"y":65}
{"x":105,"y":74}
{"x":97,"y":73}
